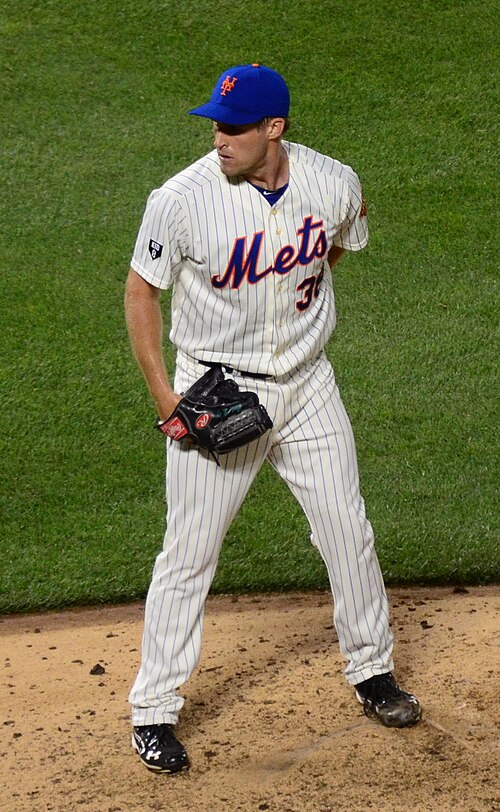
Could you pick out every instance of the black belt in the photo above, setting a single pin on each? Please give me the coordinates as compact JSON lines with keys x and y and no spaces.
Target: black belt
{"x":230,"y":370}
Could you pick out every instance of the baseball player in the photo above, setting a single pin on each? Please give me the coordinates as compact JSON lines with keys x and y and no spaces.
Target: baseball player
{"x":246,"y":236}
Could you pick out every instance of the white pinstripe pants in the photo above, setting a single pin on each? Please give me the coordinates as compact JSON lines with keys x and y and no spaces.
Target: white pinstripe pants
{"x":312,"y":448}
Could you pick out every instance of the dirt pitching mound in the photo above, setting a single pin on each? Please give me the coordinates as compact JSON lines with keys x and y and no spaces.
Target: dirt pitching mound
{"x":269,"y":721}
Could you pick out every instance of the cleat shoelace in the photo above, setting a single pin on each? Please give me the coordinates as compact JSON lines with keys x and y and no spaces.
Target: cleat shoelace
{"x":380,"y":691}
{"x":155,"y":740}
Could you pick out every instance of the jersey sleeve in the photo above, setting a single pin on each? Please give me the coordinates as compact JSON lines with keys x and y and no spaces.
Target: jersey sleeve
{"x":353,"y":233}
{"x":160,"y":242}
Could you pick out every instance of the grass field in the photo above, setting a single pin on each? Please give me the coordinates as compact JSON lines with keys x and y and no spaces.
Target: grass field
{"x":94,"y":99}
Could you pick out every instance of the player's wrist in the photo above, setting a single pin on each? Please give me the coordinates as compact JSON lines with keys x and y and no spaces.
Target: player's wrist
{"x":166,"y":407}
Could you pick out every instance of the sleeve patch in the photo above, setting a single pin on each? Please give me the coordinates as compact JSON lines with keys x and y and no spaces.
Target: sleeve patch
{"x":155,"y":249}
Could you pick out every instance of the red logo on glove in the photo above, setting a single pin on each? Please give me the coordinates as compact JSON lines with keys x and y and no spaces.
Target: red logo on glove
{"x":203,"y":420}
{"x":175,"y":429}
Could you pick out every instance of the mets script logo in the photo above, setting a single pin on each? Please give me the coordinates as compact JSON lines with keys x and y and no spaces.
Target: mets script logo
{"x":243,"y":264}
{"x":227,"y":85}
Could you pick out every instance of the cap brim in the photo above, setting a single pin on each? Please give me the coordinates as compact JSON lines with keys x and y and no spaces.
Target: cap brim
{"x":226,"y":115}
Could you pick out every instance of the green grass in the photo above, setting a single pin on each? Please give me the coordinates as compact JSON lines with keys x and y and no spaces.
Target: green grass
{"x":94,"y":116}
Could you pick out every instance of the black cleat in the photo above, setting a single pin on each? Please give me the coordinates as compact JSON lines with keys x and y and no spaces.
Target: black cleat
{"x":382,"y":698}
{"x":159,"y":749}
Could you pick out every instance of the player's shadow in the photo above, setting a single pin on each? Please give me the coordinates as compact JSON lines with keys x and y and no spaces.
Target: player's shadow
{"x":225,"y":679}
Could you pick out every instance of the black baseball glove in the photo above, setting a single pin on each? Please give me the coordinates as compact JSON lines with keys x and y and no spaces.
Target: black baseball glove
{"x":217,"y":415}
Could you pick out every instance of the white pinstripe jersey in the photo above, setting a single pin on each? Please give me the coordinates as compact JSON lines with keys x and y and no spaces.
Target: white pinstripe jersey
{"x":251,"y":284}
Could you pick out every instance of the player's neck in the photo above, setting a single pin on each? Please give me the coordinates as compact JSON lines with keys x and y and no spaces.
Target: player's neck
{"x":274,"y":173}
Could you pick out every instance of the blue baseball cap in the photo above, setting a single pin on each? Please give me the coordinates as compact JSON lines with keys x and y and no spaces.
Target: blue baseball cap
{"x":246,"y":94}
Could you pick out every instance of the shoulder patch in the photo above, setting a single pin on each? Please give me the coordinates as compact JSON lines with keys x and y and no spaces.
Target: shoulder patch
{"x":155,"y":249}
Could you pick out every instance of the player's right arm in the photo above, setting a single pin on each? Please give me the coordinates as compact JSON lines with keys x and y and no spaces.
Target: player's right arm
{"x":145,"y":328}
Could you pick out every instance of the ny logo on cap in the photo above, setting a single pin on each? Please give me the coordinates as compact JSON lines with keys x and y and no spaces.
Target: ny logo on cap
{"x":227,"y":85}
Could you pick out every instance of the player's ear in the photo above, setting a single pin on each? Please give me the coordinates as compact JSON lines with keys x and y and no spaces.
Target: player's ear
{"x":276,"y":128}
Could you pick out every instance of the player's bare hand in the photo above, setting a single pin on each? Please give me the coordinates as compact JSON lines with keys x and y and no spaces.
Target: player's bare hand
{"x":168,"y":405}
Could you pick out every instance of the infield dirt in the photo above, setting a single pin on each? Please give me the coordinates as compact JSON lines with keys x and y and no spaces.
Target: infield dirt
{"x":269,"y":721}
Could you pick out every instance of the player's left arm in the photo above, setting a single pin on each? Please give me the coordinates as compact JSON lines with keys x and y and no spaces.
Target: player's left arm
{"x":334,"y":254}
{"x":353,"y":232}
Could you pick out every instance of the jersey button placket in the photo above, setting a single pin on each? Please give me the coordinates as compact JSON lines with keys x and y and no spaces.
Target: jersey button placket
{"x":279,"y":280}
{"x":271,"y":288}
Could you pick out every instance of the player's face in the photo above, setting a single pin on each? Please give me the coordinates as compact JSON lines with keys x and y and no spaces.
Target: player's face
{"x":242,"y":150}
